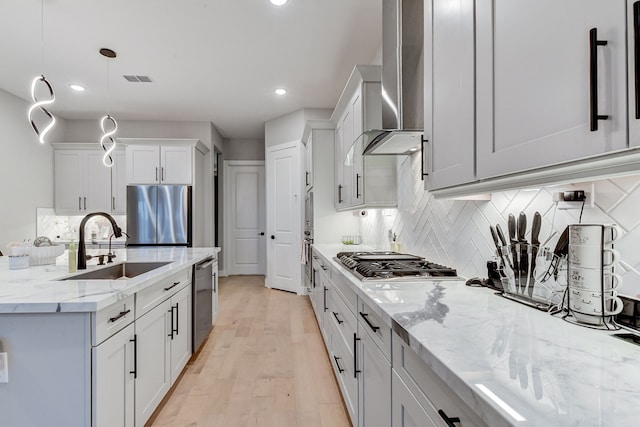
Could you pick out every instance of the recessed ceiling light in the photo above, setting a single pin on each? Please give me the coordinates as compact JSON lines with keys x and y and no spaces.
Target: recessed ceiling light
{"x":77,"y":87}
{"x":278,"y":2}
{"x":280,"y":91}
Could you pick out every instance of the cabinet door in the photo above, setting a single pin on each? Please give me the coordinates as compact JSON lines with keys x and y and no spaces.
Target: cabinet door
{"x":450,"y":75}
{"x":346,"y":160}
{"x":142,"y":164}
{"x":176,"y":165}
{"x":68,"y":180}
{"x":180,"y":331}
{"x":308,"y":164}
{"x":97,"y":183}
{"x":154,"y":377}
{"x":533,"y":82}
{"x":374,"y":406}
{"x":405,"y":409}
{"x":357,"y":177}
{"x":339,"y":167}
{"x":119,"y":184}
{"x":113,"y":383}
{"x":633,"y":31}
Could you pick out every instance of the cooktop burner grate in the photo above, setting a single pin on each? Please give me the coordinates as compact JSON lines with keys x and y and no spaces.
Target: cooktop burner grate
{"x":389,"y":265}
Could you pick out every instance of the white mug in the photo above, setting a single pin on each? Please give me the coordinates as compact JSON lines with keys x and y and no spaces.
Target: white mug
{"x":592,"y":234}
{"x":591,"y":279}
{"x":592,"y":256}
{"x":592,"y":303}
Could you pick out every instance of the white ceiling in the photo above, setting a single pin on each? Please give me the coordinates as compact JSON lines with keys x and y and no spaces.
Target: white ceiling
{"x":210,"y":60}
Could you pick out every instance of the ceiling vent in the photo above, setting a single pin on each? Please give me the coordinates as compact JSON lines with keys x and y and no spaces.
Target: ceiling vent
{"x":138,"y":79}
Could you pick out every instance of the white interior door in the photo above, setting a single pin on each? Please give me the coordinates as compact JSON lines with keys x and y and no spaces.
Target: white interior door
{"x":245,"y":223}
{"x":284,"y":217}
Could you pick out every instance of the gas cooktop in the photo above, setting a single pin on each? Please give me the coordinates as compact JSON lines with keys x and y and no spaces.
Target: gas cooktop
{"x":393,"y":266}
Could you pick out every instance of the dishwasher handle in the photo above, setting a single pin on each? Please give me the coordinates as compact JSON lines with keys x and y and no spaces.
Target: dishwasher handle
{"x":204,"y":264}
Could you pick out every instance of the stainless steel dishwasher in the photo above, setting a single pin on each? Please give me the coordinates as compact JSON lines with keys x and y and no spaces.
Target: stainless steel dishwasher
{"x":202,"y":289}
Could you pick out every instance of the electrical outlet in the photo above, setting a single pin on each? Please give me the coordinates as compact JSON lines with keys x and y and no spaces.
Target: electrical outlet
{"x":573,"y":191}
{"x":4,"y":368}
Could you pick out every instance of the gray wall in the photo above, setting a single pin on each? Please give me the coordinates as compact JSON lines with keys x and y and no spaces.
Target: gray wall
{"x":243,"y":149}
{"x":26,"y":173}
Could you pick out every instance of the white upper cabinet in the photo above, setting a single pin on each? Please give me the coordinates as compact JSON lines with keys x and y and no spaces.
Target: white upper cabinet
{"x":551,"y":82}
{"x":633,"y":31}
{"x":308,"y":163}
{"x":449,"y":41}
{"x":361,"y":181}
{"x":82,"y":183}
{"x":159,"y":164}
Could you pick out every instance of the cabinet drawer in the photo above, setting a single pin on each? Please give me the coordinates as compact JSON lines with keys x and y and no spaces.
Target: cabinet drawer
{"x":149,"y":297}
{"x":345,"y":288}
{"x":375,"y":327}
{"x":434,"y":395}
{"x":343,"y":320}
{"x":112,"y":319}
{"x":343,"y":366}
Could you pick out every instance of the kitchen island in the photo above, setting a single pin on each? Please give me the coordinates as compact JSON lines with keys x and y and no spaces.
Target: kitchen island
{"x":94,"y":352}
{"x":510,"y":364}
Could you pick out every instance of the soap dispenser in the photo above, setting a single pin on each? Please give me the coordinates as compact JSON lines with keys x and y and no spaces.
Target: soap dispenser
{"x":73,"y":263}
{"x":395,"y":246}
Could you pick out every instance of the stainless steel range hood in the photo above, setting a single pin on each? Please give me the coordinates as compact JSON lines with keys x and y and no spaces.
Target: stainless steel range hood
{"x":402,"y":80}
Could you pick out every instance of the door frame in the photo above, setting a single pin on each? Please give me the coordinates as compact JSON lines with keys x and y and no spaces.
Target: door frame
{"x":298,"y":146}
{"x":226,"y":172}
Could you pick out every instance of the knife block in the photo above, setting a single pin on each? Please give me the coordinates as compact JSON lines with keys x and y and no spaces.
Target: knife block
{"x":523,"y":271}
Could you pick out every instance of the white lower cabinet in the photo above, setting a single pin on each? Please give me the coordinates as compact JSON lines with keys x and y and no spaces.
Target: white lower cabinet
{"x":374,"y":405}
{"x":112,"y":368}
{"x":163,"y":349}
{"x":406,"y":410}
{"x":344,"y":369}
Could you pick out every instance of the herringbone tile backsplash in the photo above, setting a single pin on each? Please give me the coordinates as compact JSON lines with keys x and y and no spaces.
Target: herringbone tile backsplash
{"x":456,"y":232}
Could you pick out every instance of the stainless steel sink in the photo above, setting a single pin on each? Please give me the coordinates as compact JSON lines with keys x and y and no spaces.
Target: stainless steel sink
{"x":123,"y":270}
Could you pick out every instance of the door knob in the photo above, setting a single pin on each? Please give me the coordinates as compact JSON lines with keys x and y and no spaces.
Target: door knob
{"x":261,"y":233}
{"x":273,"y":237}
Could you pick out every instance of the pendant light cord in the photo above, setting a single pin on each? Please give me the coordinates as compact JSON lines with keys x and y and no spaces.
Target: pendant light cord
{"x":42,"y":35}
{"x":108,"y":91}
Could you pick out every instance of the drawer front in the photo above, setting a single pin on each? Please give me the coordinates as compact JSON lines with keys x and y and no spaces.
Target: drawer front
{"x":344,"y":286}
{"x":151,"y":296}
{"x":433,"y":394}
{"x":112,"y":319}
{"x":378,"y":330}
{"x":344,"y":322}
{"x":343,"y":366}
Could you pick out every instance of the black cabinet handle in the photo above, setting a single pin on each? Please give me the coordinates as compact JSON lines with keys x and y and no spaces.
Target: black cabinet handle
{"x":340,"y":322}
{"x":273,"y":237}
{"x":339,"y":194}
{"x":593,"y":78}
{"x":340,"y":370}
{"x":261,"y":233}
{"x":636,"y":51}
{"x":357,"y":186}
{"x":172,"y":286}
{"x":135,"y":356}
{"x":450,"y":421}
{"x":85,"y":203}
{"x":325,"y":299}
{"x":422,"y":174}
{"x":356,"y":371}
{"x":323,"y":267}
{"x":365,"y":316}
{"x":171,"y":330}
{"x":306,"y":178}
{"x":113,"y":203}
{"x":119,"y":316}
{"x":79,"y":203}
{"x":162,"y":170}
{"x":177,"y":331}
{"x":156,"y":173}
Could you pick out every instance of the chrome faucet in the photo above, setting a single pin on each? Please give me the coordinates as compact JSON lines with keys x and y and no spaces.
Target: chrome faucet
{"x":82,"y":251}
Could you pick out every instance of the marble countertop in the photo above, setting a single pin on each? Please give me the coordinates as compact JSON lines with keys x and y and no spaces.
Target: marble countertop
{"x":38,"y":289}
{"x":512,"y":364}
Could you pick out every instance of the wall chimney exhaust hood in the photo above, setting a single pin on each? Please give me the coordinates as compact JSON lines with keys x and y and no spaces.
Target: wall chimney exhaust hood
{"x":402,"y":81}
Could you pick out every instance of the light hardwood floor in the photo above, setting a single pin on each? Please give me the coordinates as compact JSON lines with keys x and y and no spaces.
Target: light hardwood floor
{"x":264,"y":364}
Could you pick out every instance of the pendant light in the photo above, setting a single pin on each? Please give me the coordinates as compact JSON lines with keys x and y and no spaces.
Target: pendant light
{"x":108,"y":124}
{"x":42,"y":81}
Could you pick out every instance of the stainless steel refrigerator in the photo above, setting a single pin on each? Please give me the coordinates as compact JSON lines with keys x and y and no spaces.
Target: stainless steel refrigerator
{"x":159,"y":215}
